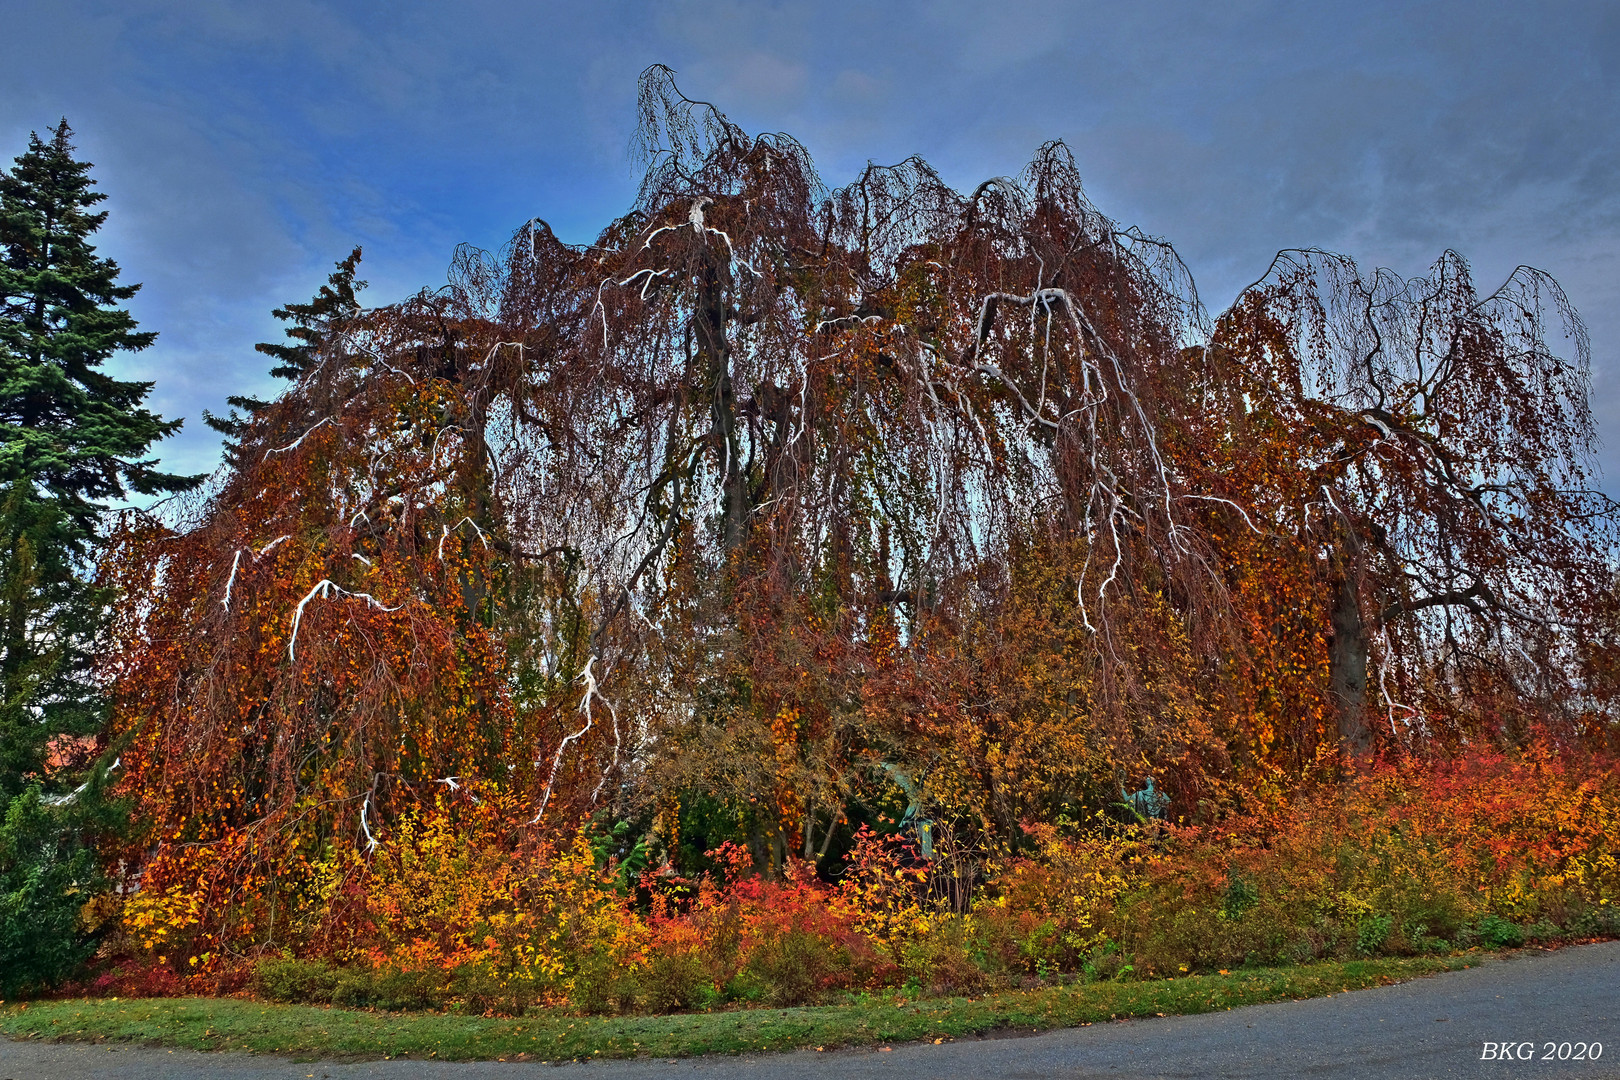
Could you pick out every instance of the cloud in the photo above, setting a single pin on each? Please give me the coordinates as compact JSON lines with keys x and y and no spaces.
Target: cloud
{"x":247,"y":146}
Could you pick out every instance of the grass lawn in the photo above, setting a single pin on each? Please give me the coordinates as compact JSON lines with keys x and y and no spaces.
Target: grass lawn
{"x":309,"y":1032}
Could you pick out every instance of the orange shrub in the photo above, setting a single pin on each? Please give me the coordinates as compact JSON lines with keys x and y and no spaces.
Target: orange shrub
{"x":458,"y":902}
{"x":1405,"y":857}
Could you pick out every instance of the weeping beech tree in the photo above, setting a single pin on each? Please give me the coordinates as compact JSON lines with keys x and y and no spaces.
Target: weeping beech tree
{"x":1435,"y":453}
{"x":775,"y":493}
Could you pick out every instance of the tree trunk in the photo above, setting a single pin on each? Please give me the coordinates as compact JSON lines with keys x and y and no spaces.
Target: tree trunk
{"x":1347,"y":671}
{"x":710,"y":329}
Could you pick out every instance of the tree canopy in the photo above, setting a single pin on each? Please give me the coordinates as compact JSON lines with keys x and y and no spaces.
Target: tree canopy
{"x":779,"y":504}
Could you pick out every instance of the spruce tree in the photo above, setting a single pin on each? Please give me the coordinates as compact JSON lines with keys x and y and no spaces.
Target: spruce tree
{"x":310,"y":328}
{"x":72,"y":438}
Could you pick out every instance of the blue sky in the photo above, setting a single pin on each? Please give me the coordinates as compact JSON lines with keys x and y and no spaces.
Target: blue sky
{"x":247,"y":146}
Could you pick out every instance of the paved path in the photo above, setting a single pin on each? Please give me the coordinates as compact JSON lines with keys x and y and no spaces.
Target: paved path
{"x":1429,"y":1029}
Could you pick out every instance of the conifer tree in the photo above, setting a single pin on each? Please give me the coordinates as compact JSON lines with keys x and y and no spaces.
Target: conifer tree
{"x":72,"y":437}
{"x":310,"y":326}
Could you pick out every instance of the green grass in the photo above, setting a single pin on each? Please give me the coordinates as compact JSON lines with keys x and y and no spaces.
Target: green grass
{"x":310,"y":1032}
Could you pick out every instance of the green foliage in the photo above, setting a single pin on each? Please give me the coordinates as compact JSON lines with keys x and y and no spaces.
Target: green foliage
{"x":311,"y":327}
{"x":1498,"y":933}
{"x":71,"y":438}
{"x":312,"y":324}
{"x":1372,"y":931}
{"x":481,"y":989}
{"x":629,"y":858}
{"x":675,"y":982}
{"x":295,"y":981}
{"x":315,"y":982}
{"x":1239,"y":898}
{"x":389,"y":989}
{"x":40,"y":620}
{"x":46,"y":878}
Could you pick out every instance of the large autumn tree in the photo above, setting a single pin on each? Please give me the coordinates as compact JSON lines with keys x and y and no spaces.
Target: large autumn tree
{"x":778,"y":505}
{"x":1431,"y":448}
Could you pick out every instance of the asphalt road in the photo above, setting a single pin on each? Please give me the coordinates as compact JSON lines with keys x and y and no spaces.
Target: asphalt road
{"x":1430,"y":1029}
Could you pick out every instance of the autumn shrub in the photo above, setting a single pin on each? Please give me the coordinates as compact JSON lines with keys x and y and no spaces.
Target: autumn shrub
{"x":883,"y":894}
{"x":779,"y":942}
{"x":801,"y":945}
{"x":455,"y":902}
{"x":135,"y":978}
{"x":793,"y":964}
{"x":676,"y":981}
{"x":455,"y":889}
{"x":1400,"y":859}
{"x":456,"y":908}
{"x":1048,"y":912}
{"x":949,"y":959}
{"x":603,"y":984}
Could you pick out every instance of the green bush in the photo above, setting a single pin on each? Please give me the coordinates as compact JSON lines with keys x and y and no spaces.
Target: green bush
{"x":1596,"y":921}
{"x":1105,"y":962}
{"x":482,"y":990}
{"x":672,"y":982}
{"x":397,"y":991}
{"x":46,"y":878}
{"x":1239,"y":898}
{"x":353,"y":988}
{"x":1371,"y":933}
{"x":295,"y":981}
{"x":1544,"y":929}
{"x":603,"y":985}
{"x":477,"y":987}
{"x":795,"y":967}
{"x":390,"y":989}
{"x":1498,"y":933}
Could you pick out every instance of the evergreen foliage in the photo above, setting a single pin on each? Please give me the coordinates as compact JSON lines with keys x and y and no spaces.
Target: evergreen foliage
{"x":48,"y":872}
{"x":312,"y":326}
{"x":72,"y":437}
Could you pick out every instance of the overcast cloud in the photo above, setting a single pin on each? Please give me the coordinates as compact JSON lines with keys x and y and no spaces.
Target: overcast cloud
{"x":246,"y":146}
